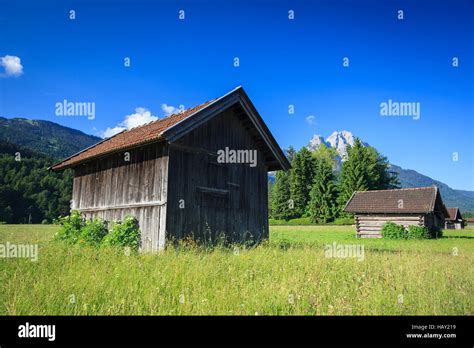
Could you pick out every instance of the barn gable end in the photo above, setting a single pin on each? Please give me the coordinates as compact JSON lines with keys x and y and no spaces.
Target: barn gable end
{"x":220,"y":199}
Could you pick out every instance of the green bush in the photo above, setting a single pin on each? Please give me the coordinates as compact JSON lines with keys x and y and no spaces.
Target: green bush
{"x":93,"y":232}
{"x":391,"y":230}
{"x":417,"y":232}
{"x":124,"y":234}
{"x":74,"y":229}
{"x":71,"y":227}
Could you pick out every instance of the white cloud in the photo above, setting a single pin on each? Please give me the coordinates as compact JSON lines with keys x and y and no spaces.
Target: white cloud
{"x":140,"y":117}
{"x":12,"y":66}
{"x":112,"y":131}
{"x":169,"y":109}
{"x":311,"y":120}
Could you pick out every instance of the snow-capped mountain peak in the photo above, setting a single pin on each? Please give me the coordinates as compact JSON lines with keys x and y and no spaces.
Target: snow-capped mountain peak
{"x":338,"y":140}
{"x":315,"y":141}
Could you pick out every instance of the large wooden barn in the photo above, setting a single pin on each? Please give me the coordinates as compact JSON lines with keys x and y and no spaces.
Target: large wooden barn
{"x":409,"y":206}
{"x":200,"y":173}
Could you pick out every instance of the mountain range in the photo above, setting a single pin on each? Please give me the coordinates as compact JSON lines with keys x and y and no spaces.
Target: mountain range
{"x":58,"y":142}
{"x":462,"y":199}
{"x":45,"y":137}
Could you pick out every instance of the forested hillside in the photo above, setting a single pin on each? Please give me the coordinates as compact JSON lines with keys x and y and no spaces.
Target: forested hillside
{"x":45,"y":137}
{"x":29,"y":193}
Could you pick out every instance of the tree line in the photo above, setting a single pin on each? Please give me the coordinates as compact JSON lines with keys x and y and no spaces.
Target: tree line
{"x":313,"y":188}
{"x":29,"y":193}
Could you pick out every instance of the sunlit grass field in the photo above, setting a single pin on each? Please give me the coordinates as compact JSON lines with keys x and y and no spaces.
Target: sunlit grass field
{"x":289,"y":275}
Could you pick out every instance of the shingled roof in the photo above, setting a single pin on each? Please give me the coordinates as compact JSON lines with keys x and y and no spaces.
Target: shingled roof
{"x":454,"y":213}
{"x":129,"y":138}
{"x":167,"y":129}
{"x":407,"y":200}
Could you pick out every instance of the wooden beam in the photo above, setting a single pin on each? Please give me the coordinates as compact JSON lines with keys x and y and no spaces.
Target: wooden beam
{"x":212,"y":191}
{"x":389,"y":218}
{"x":124,"y":206}
{"x":192,"y":149}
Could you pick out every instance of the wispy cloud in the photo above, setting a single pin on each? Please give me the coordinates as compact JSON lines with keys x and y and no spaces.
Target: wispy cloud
{"x":311,"y":120}
{"x":12,"y":66}
{"x":169,"y":109}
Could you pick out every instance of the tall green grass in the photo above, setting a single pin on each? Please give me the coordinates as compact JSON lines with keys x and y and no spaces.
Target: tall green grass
{"x":289,"y":275}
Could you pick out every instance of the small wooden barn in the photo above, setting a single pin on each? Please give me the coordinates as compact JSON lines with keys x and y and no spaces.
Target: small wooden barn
{"x":200,"y":173}
{"x":409,"y":206}
{"x":454,"y":221}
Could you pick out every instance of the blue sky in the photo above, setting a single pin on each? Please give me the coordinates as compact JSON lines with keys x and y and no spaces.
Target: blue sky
{"x":282,"y":62}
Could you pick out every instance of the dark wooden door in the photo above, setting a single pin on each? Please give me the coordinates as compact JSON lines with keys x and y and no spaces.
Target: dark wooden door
{"x":212,"y":198}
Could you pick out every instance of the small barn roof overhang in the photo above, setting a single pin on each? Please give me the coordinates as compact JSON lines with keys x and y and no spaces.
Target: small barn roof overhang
{"x":454,"y":214}
{"x":176,"y":126}
{"x":420,"y":200}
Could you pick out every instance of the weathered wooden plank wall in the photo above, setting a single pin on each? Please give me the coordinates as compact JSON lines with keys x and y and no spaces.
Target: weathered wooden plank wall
{"x":113,"y":187}
{"x":369,"y":226}
{"x":218,"y":198}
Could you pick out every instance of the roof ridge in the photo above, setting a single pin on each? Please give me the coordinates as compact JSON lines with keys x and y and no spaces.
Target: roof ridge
{"x":401,"y":189}
{"x":166,"y":117}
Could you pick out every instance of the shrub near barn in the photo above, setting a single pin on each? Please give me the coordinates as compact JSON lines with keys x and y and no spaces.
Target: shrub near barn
{"x":74,"y":229}
{"x":391,"y":230}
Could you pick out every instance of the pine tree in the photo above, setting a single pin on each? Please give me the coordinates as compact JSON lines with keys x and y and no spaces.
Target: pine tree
{"x":301,"y":180}
{"x":270,"y":199}
{"x":381,"y":178}
{"x":281,"y":208}
{"x":364,"y":169}
{"x":325,"y":153}
{"x":354,"y":171}
{"x":290,"y":153}
{"x":323,"y":193}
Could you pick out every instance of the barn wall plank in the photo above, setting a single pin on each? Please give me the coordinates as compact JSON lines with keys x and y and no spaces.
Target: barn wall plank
{"x":371,"y":225}
{"x":112,"y":187}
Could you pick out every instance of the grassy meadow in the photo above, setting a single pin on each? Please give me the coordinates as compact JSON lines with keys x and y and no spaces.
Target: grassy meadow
{"x":288,"y":275}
